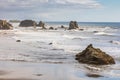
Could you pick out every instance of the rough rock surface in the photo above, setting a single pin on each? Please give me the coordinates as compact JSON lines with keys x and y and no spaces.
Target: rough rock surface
{"x":27,"y":23}
{"x":73,"y":25}
{"x":93,"y":55}
{"x":4,"y":25}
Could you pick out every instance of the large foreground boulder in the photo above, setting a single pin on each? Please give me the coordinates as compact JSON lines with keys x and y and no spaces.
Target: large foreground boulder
{"x":27,"y":23}
{"x":73,"y":25}
{"x":93,"y":55}
{"x":4,"y":25}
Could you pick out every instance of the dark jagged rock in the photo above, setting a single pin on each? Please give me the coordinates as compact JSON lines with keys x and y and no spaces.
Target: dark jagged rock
{"x":18,"y":40}
{"x":4,"y":25}
{"x":50,"y":43}
{"x":41,"y":24}
{"x":73,"y":25}
{"x":62,"y":26}
{"x":27,"y":23}
{"x":93,"y":55}
{"x":51,"y":28}
{"x":81,"y":29}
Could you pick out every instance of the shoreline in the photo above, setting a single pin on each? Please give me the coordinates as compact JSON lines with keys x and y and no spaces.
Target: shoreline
{"x":16,"y":58}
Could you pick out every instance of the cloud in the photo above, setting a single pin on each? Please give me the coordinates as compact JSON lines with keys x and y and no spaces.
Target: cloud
{"x":43,"y":8}
{"x":44,"y":3}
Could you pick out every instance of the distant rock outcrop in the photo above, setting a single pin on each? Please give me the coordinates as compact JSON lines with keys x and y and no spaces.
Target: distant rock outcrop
{"x":62,"y":26}
{"x":27,"y":23}
{"x":73,"y":25}
{"x":4,"y":25}
{"x":41,"y":24}
{"x":93,"y":55}
{"x":51,"y":28}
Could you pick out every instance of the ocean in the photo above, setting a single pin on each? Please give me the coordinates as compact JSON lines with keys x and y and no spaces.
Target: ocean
{"x":60,"y":46}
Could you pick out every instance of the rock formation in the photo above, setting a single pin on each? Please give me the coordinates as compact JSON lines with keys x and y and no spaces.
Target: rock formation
{"x":62,"y":26}
{"x":27,"y":23}
{"x":93,"y":55}
{"x":73,"y":25}
{"x":4,"y":25}
{"x":41,"y":24}
{"x":51,"y":28}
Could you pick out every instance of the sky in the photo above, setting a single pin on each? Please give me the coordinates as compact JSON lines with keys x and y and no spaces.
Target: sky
{"x":61,"y":10}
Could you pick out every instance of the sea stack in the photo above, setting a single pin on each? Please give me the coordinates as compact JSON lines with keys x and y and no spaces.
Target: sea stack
{"x":73,"y":25}
{"x":41,"y":24}
{"x":27,"y":23}
{"x":93,"y":55}
{"x":4,"y":25}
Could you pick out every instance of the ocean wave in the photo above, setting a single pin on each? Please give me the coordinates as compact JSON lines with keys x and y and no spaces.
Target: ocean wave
{"x":66,"y":48}
{"x":74,"y":37}
{"x":115,"y":42}
{"x":103,"y":33}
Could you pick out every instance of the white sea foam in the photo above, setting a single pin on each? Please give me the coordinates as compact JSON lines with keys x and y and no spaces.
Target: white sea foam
{"x":66,"y":48}
{"x":103,"y":33}
{"x":75,"y":37}
{"x":115,"y":42}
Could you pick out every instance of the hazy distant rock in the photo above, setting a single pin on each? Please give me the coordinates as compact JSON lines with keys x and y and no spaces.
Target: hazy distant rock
{"x":93,"y":55}
{"x":95,"y":31}
{"x":14,"y":21}
{"x":73,"y":25}
{"x":27,"y":23}
{"x":51,"y":28}
{"x":81,"y":29}
{"x":4,"y":25}
{"x":41,"y":24}
{"x":62,"y":26}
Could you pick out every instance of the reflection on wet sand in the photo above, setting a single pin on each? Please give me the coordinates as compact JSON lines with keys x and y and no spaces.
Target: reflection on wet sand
{"x":94,"y":75}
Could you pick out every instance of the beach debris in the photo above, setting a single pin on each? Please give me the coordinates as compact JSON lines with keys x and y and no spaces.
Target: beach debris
{"x":4,"y":25}
{"x":41,"y":24}
{"x":93,"y":55}
{"x":27,"y":23}
{"x":73,"y":25}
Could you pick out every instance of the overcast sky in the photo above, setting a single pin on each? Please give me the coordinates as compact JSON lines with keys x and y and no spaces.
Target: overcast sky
{"x":61,"y":10}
